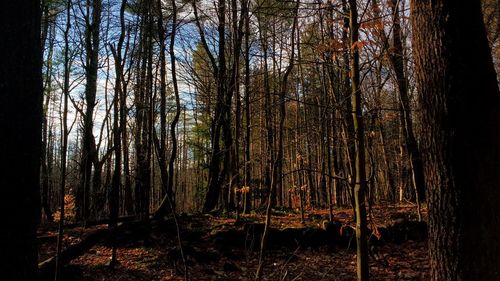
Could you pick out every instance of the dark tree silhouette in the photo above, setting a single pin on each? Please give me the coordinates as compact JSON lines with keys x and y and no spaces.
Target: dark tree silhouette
{"x":461,"y":138}
{"x":20,"y":143}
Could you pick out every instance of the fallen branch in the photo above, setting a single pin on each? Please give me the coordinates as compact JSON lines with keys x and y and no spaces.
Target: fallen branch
{"x":51,"y":226}
{"x":47,"y":267}
{"x":46,"y":238}
{"x":101,"y":221}
{"x":332,"y":234}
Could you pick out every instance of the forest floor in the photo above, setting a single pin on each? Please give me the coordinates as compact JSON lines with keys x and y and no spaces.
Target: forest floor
{"x":214,"y":251}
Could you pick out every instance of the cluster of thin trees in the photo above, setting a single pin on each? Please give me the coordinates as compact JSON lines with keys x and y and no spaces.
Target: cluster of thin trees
{"x":262,"y":104}
{"x":150,"y":106}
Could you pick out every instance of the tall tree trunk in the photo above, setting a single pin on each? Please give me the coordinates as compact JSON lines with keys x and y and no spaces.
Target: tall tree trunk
{"x":231,"y":143}
{"x":45,"y":171}
{"x":460,"y":104}
{"x":396,"y":58}
{"x":360,"y":173}
{"x":282,"y":101}
{"x":219,"y":68}
{"x":88,"y":154}
{"x":127,"y":185}
{"x":143,"y":103}
{"x":326,"y":119}
{"x":248,"y":121}
{"x":20,"y":145}
{"x":64,"y":142}
{"x":116,"y":182}
{"x":268,"y":100}
{"x":161,"y":143}
{"x":349,"y":132}
{"x":169,"y":196}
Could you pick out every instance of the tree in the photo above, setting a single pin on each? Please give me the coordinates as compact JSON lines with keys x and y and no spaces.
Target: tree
{"x":360,"y":173}
{"x":168,"y":197}
{"x":20,"y":144}
{"x":48,"y":32}
{"x":219,"y":74}
{"x":396,"y":58}
{"x":89,"y":150}
{"x":117,"y":134}
{"x":143,"y":118}
{"x":64,"y":142}
{"x":161,"y":143}
{"x":247,"y":205}
{"x":460,"y":138}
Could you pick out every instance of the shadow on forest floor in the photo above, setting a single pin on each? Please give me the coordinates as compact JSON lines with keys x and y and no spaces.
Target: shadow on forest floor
{"x":212,"y":256}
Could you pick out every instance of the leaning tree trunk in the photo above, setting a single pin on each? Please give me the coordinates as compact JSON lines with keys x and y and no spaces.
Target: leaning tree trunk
{"x":461,"y":138}
{"x":20,"y":144}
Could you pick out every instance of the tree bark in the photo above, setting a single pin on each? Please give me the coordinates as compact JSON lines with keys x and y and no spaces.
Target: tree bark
{"x":45,"y":159}
{"x":460,"y":138}
{"x":161,"y":144}
{"x":116,"y":182}
{"x":20,"y":144}
{"x":170,"y":200}
{"x":88,"y":153}
{"x":142,"y":101}
{"x":248,"y":122}
{"x":396,"y":58}
{"x":64,"y":142}
{"x":219,"y":68}
{"x":360,"y":173}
